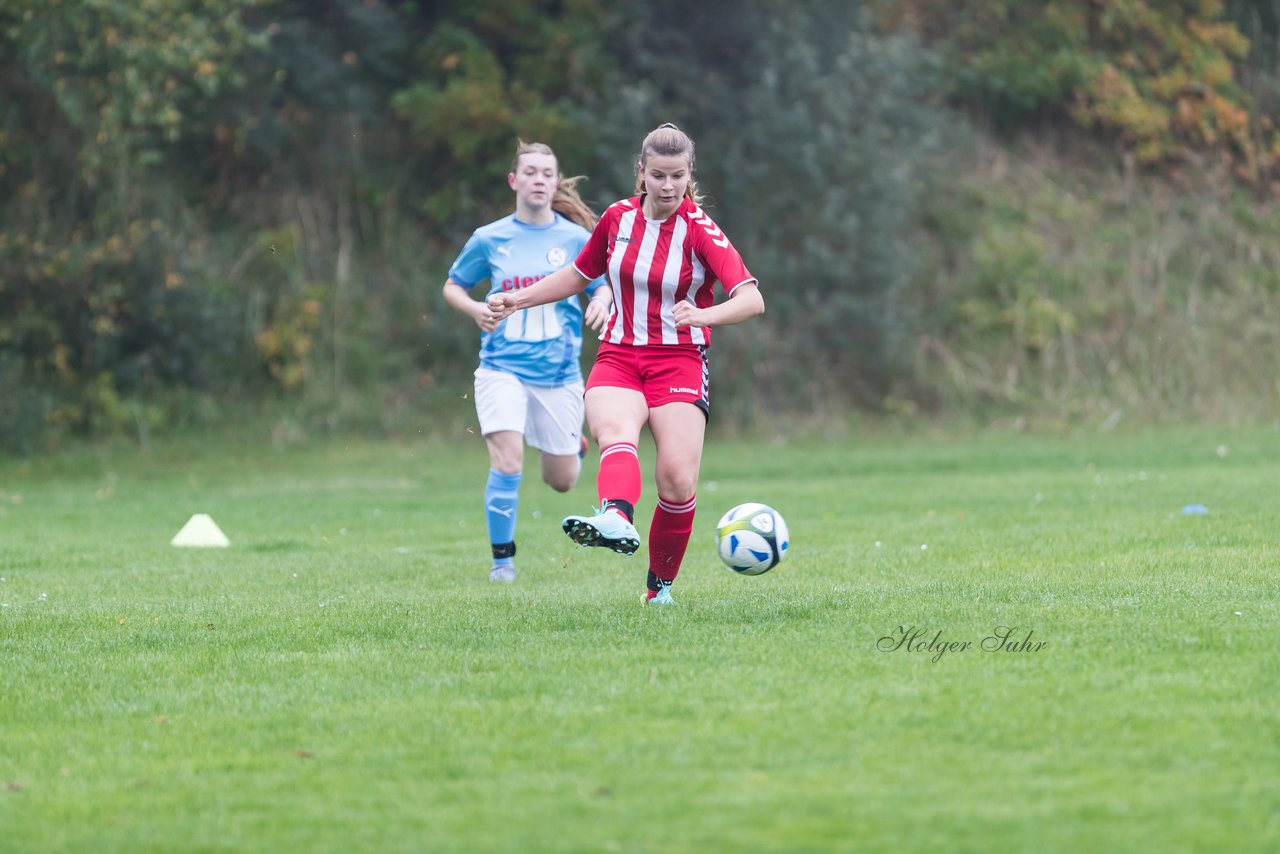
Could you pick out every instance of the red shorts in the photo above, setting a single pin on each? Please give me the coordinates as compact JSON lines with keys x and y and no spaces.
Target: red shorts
{"x":664,"y":373}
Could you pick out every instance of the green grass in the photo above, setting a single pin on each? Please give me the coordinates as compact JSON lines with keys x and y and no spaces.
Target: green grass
{"x":345,"y":678}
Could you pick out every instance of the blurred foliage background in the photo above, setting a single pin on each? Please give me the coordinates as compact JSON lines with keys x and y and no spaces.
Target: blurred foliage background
{"x":216,"y":213}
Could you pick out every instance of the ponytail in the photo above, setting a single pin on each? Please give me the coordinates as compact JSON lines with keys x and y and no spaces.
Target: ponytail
{"x":570,"y":205}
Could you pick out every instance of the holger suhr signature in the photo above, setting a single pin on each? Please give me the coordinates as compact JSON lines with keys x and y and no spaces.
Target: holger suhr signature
{"x":926,"y":640}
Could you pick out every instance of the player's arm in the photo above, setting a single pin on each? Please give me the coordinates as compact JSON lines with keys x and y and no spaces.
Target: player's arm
{"x":564,"y":282}
{"x":744,"y":303}
{"x":456,"y":295}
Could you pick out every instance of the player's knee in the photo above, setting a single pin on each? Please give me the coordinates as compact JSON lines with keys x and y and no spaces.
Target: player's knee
{"x":561,"y":479}
{"x":609,"y":435}
{"x":678,"y":487}
{"x":506,"y":460}
{"x":562,"y":484}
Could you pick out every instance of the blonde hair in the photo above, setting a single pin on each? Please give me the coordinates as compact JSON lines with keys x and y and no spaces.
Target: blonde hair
{"x":667,"y":140}
{"x":566,"y":200}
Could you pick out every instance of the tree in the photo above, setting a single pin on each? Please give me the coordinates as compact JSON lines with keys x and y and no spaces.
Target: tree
{"x":813,"y":134}
{"x":1158,"y":76}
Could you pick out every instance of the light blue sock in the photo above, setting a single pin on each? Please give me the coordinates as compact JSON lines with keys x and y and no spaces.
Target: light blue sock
{"x":501,"y":500}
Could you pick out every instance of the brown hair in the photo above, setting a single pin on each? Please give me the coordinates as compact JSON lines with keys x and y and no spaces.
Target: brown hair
{"x":667,"y":140}
{"x":566,"y":201}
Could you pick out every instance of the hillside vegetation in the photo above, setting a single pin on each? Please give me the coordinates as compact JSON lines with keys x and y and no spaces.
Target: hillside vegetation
{"x":955,"y":209}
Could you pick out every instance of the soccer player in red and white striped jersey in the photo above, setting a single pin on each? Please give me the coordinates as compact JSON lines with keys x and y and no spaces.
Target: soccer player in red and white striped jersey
{"x":664,"y":257}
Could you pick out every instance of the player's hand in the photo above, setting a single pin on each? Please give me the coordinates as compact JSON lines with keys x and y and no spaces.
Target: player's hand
{"x":688,"y":314}
{"x":500,"y":306}
{"x":597,"y":313}
{"x":485,"y":317}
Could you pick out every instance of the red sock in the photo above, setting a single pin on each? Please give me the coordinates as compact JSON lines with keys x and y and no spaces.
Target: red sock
{"x":619,"y":475}
{"x":669,"y":536}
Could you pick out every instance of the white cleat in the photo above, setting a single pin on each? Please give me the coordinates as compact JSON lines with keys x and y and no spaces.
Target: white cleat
{"x":608,"y":530}
{"x":662,"y":597}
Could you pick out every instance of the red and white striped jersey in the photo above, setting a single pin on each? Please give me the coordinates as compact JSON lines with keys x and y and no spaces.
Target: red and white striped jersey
{"x":654,"y":264}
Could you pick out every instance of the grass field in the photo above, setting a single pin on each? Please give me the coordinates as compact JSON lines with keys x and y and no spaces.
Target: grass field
{"x":344,"y":677}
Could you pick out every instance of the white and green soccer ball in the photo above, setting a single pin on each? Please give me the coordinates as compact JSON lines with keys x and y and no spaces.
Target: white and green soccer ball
{"x":752,"y":539}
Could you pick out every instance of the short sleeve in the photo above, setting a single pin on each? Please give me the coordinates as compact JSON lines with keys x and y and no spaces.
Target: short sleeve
{"x":718,"y":255}
{"x":472,"y":264}
{"x":593,"y":260}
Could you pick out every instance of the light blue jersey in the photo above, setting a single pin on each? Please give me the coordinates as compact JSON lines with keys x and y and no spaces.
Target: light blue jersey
{"x":540,"y":345}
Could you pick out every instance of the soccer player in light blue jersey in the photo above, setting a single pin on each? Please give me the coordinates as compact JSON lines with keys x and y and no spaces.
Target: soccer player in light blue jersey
{"x":529,"y":386}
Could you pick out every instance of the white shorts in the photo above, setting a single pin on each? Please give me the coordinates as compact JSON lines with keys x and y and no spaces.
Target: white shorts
{"x":549,"y":418}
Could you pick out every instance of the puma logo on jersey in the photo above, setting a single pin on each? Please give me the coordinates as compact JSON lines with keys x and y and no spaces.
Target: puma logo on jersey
{"x":504,"y":250}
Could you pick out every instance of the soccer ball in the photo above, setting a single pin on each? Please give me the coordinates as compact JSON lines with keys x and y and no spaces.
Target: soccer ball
{"x":752,"y":539}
